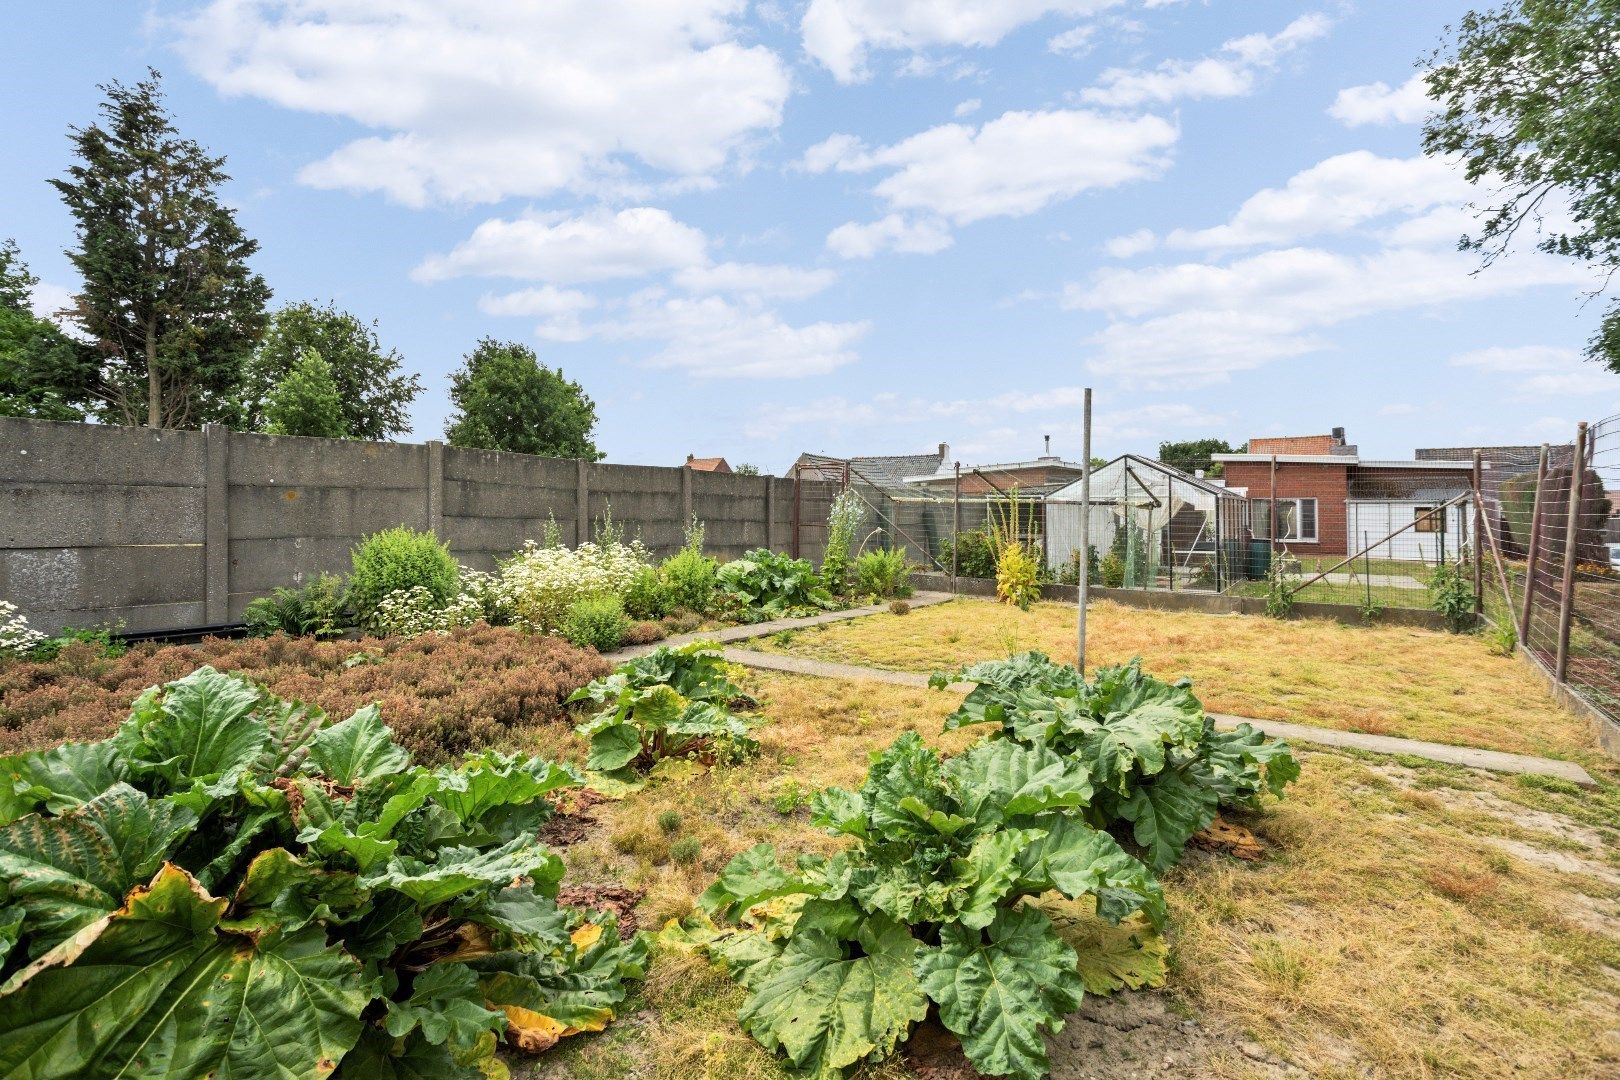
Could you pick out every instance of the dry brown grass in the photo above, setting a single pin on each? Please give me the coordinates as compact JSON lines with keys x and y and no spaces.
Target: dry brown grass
{"x":1386,"y":933}
{"x":1384,"y":680}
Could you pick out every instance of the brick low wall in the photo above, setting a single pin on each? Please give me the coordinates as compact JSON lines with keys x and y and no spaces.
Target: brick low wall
{"x":168,"y":529}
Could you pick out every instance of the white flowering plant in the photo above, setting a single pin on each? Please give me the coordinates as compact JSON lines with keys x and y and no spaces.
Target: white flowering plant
{"x":16,"y":636}
{"x":413,"y":611}
{"x":540,"y":583}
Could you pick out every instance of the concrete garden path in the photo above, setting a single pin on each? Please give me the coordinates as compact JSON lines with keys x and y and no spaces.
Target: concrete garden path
{"x":1492,"y":760}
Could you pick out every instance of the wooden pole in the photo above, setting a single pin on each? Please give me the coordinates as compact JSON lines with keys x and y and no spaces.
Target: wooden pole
{"x":1534,"y":549}
{"x":1572,"y":529}
{"x":1083,"y":592}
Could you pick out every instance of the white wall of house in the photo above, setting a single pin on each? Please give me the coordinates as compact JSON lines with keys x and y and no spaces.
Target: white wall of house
{"x":1369,"y":520}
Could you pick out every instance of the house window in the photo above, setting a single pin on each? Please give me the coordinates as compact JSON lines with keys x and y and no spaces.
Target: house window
{"x":1296,"y":519}
{"x":1430,"y":519}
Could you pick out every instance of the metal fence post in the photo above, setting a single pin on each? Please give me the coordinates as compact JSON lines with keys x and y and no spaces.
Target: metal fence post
{"x":1272,"y":507}
{"x":1534,"y":548}
{"x":1083,"y":589}
{"x":1572,"y":531}
{"x":956,"y":528}
{"x":1479,"y":531}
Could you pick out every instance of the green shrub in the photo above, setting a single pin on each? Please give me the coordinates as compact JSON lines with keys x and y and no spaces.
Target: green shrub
{"x":595,"y":622}
{"x":975,"y":554}
{"x":686,"y":850}
{"x":690,"y":576}
{"x":312,"y":610}
{"x":884,"y":572}
{"x":290,"y":893}
{"x":649,"y":596}
{"x":395,"y":560}
{"x":669,"y":821}
{"x":1111,"y":569}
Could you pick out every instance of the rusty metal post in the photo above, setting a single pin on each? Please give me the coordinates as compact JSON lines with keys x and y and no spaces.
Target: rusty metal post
{"x":1534,"y":549}
{"x":1572,"y":533}
{"x":1479,"y":531}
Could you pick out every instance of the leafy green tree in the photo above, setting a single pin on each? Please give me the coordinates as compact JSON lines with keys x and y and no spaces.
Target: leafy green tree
{"x":1195,"y":454}
{"x":307,"y":401}
{"x":505,"y":399}
{"x":44,"y":373}
{"x":373,"y":395}
{"x":168,"y":293}
{"x":745,"y":469}
{"x":1526,"y":96}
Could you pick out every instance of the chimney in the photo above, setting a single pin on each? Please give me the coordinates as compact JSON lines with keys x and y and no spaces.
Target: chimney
{"x":1048,"y":445}
{"x":944,"y":450}
{"x":1338,"y":436}
{"x":690,"y":458}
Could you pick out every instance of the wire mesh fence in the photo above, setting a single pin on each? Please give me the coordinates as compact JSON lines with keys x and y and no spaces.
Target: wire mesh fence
{"x":1561,"y":563}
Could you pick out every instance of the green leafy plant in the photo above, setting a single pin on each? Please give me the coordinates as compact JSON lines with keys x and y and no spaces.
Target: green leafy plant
{"x":691,"y":575}
{"x":1502,"y":637}
{"x":1451,"y":593}
{"x":395,"y":560}
{"x":669,"y":821}
{"x":932,"y":905}
{"x":99,"y":639}
{"x":884,"y":573}
{"x":258,"y":891}
{"x":765,"y":585}
{"x":686,"y":851}
{"x":595,"y":622}
{"x":1018,"y":571}
{"x":1282,"y":586}
{"x":673,"y":702}
{"x":973,"y":551}
{"x":1158,"y":766}
{"x":843,"y":522}
{"x":649,"y":596}
{"x":311,"y":610}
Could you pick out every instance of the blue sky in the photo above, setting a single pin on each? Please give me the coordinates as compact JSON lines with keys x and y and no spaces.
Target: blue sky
{"x":856,"y":226}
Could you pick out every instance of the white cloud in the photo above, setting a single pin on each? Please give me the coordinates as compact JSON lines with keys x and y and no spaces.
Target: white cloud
{"x":560,"y":310}
{"x":967,"y":108}
{"x":1334,"y":196}
{"x":594,"y":246}
{"x":1013,"y":165}
{"x":1075,"y":42}
{"x":1379,"y":103}
{"x":894,"y":232}
{"x":1131,"y":244}
{"x":755,"y":280}
{"x":46,"y":300}
{"x":710,"y":337}
{"x":1398,"y":408}
{"x":1542,"y":369}
{"x":840,"y":33}
{"x":1199,"y":322}
{"x":483,"y":99}
{"x":1231,"y":72}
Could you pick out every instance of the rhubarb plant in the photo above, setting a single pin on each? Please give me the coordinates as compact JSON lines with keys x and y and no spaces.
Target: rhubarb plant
{"x":932,"y":903}
{"x":1157,"y":763}
{"x":673,"y":702}
{"x":234,"y":885}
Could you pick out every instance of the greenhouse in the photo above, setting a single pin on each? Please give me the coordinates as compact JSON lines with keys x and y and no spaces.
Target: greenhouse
{"x":1151,"y":527}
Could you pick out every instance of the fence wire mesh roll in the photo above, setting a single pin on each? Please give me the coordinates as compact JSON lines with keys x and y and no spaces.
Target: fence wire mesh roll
{"x":1562,"y":547}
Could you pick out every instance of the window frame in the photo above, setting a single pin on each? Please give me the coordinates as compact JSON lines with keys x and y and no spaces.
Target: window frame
{"x":1430,"y":520}
{"x":1298,"y":502}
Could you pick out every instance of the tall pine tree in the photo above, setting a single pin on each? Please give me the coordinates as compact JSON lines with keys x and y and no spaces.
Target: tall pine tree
{"x":168,"y":295}
{"x":44,"y":373}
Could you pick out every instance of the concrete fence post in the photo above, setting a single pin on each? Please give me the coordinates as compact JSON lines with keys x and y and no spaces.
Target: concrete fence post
{"x":216,"y":524}
{"x":686,"y":497}
{"x":435,"y":488}
{"x":582,"y":502}
{"x":770,"y":512}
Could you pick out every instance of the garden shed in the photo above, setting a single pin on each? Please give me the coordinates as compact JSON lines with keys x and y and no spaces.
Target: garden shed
{"x":1166,"y":529}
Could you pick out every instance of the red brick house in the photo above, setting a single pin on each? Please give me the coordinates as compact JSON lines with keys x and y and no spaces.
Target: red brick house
{"x":1331,"y":501}
{"x":707,"y":464}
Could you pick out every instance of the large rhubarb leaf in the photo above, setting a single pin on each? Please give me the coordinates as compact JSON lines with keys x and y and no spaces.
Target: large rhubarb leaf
{"x":826,"y":1006}
{"x":69,"y":871}
{"x":1130,"y":955}
{"x":197,"y":728}
{"x":445,"y":1004}
{"x":753,"y":877}
{"x":1000,"y":779}
{"x":493,"y":780}
{"x":460,"y":869}
{"x":358,"y":750}
{"x":997,"y":991}
{"x":157,"y":990}
{"x":1165,"y":812}
{"x":59,"y":779}
{"x":1077,"y":860}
